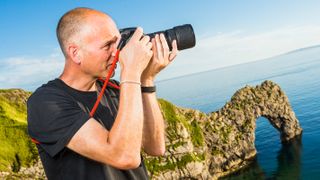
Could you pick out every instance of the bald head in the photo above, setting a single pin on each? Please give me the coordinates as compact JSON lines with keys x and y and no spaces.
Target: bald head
{"x":74,"y":24}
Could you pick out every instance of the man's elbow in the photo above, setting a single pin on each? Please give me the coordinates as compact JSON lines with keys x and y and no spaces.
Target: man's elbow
{"x":161,"y":152}
{"x":157,"y":152}
{"x":129,"y":162}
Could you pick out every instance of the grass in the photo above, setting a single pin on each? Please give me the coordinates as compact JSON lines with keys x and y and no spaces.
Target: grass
{"x":12,"y":104}
{"x":173,"y":118}
{"x":157,"y":165}
{"x":9,"y":111}
{"x":16,"y":148}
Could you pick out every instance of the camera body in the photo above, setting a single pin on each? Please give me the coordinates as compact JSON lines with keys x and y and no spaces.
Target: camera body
{"x":184,"y":35}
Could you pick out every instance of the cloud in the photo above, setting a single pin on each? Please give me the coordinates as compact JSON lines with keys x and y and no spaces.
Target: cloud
{"x":30,"y":72}
{"x":237,"y":47}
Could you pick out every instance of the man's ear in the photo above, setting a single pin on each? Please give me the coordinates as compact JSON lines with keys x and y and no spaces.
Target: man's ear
{"x":74,"y":53}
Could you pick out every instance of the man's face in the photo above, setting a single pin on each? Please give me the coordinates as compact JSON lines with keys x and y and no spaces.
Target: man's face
{"x":99,"y":46}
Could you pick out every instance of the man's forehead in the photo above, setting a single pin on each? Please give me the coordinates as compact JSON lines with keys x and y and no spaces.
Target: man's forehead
{"x":107,"y":25}
{"x":111,"y":33}
{"x":103,"y":27}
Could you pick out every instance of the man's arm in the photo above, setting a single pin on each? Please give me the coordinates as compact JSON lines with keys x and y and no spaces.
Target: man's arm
{"x":121,"y":146}
{"x":153,"y":141}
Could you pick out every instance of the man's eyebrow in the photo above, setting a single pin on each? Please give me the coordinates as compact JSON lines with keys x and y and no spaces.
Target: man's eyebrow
{"x":114,"y":39}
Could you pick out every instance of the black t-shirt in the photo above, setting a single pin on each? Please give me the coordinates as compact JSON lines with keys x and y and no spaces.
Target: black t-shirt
{"x":55,"y":113}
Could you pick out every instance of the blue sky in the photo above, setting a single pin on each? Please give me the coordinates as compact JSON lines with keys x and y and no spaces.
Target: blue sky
{"x":227,"y":32}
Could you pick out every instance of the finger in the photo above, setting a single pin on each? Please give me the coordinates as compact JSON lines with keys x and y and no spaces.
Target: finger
{"x":165,"y":47}
{"x":174,"y":51}
{"x":137,"y":34}
{"x":149,"y":45}
{"x":145,"y":39}
{"x":150,"y":52}
{"x":154,"y":47}
{"x":159,"y":47}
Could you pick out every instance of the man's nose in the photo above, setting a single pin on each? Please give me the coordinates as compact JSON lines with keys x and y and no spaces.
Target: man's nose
{"x":113,"y":49}
{"x":115,"y":45}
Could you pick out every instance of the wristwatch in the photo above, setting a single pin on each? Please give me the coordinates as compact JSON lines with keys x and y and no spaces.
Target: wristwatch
{"x":148,"y":89}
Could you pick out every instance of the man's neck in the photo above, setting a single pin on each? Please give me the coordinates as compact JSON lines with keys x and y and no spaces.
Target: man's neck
{"x":81,"y":83}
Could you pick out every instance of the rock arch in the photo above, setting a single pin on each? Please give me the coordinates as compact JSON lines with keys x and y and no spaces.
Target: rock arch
{"x":206,"y":146}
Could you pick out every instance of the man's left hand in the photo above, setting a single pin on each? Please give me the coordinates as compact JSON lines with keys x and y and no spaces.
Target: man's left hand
{"x":161,"y":58}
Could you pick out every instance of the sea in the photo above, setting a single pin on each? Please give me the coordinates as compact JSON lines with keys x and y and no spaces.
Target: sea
{"x":298,"y":75}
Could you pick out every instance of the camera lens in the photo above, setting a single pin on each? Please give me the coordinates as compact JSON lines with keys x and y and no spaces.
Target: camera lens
{"x":184,"y":35}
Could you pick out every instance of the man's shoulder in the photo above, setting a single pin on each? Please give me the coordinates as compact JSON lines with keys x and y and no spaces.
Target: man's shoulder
{"x":47,"y":90}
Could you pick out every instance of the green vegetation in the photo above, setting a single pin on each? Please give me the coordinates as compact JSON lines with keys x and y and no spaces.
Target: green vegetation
{"x":13,"y":104}
{"x":156,"y":165}
{"x":215,"y":151}
{"x":225,"y":131}
{"x":173,"y":118}
{"x":16,"y":148}
{"x":9,"y":110}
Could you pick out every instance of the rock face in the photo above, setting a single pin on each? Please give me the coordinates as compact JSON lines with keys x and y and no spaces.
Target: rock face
{"x":208,"y":146}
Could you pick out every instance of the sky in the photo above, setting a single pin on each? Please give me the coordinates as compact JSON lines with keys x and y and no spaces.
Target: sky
{"x":227,"y":33}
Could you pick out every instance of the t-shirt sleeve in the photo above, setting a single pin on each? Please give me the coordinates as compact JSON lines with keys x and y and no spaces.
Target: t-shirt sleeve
{"x":53,"y":119}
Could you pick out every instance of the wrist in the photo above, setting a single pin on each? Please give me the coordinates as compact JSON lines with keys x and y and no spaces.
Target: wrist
{"x":147,"y":82}
{"x":130,"y":82}
{"x":129,"y":76}
{"x":148,"y":89}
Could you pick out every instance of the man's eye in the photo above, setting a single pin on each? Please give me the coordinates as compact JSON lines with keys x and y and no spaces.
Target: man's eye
{"x":107,"y":47}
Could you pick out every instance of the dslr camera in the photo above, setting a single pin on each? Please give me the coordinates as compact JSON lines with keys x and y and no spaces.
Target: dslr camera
{"x":184,"y":35}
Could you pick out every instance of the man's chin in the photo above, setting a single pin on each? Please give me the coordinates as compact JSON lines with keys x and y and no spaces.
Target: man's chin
{"x":105,"y":74}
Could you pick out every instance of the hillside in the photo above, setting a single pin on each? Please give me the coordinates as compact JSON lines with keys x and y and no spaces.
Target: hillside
{"x":16,"y":149}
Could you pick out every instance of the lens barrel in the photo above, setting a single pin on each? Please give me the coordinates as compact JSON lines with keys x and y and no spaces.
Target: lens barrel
{"x":184,"y":35}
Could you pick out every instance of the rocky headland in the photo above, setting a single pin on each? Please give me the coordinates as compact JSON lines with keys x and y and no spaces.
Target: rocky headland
{"x":206,"y":146}
{"x":209,"y":146}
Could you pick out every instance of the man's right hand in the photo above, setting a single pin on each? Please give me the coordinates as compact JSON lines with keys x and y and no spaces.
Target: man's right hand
{"x":135,"y":56}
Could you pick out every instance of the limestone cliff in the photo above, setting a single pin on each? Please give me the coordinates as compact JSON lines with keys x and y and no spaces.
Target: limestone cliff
{"x":208,"y":146}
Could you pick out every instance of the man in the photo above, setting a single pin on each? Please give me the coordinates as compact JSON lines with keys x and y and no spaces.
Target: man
{"x":73,"y":145}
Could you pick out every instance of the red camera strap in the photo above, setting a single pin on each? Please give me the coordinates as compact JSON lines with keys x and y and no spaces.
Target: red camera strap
{"x":106,"y":82}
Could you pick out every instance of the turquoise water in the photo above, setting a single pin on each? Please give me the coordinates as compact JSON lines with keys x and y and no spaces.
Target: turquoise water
{"x":298,"y":74}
